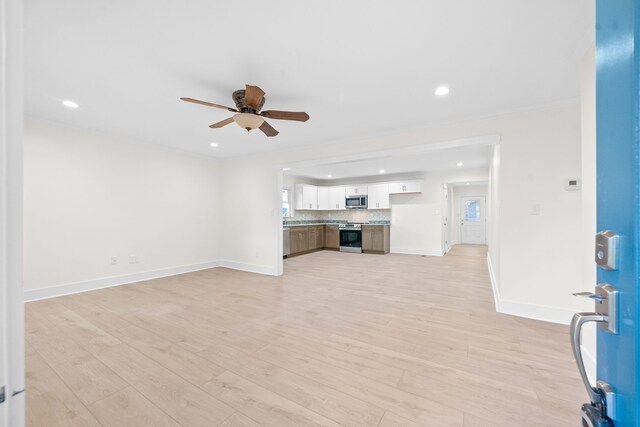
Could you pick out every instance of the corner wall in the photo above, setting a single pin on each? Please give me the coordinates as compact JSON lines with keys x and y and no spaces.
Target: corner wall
{"x":91,"y":196}
{"x":538,"y":150}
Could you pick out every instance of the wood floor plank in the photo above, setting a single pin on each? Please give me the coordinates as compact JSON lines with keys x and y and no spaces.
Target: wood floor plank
{"x":327,"y":401}
{"x":408,"y":405}
{"x":128,"y":408}
{"x":182,"y":400}
{"x":49,"y":400}
{"x":414,"y":341}
{"x":90,"y":379}
{"x":189,"y":366}
{"x":392,"y":420}
{"x":261,"y":404}
{"x":239,"y":420}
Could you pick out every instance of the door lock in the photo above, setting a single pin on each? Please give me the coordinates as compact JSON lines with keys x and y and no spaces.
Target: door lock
{"x":606,"y":304}
{"x":606,"y":255}
{"x":601,"y":409}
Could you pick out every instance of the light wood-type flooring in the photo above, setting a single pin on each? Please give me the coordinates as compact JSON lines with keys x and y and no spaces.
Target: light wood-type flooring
{"x":340,"y":339}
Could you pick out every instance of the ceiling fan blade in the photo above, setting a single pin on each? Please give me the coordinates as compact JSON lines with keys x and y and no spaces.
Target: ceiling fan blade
{"x":222,"y":123}
{"x":268,"y":130}
{"x":286,"y":115}
{"x":253,"y":96}
{"x":209,"y":104}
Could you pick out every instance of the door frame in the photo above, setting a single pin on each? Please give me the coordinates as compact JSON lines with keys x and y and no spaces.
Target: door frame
{"x":458,"y":214}
{"x":12,"y":411}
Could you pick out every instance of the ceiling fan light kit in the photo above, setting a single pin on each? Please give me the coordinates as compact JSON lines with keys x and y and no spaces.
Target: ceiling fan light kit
{"x":249,"y":102}
{"x":248,"y":121}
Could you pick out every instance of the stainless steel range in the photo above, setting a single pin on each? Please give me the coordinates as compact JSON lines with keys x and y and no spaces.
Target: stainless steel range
{"x":350,"y":237}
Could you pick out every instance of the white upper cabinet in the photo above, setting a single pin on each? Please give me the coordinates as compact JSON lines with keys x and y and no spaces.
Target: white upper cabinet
{"x":336,"y":198}
{"x":306,"y":197}
{"x":405,"y":187}
{"x":378,"y":197}
{"x":323,"y":199}
{"x":357,"y":190}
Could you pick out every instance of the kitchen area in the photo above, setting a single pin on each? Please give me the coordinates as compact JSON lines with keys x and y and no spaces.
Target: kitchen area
{"x":351,"y":218}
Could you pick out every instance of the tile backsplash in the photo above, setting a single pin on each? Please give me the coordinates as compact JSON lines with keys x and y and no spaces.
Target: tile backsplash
{"x":350,"y":215}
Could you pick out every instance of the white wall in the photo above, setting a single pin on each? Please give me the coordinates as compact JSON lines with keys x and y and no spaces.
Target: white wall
{"x":537,"y":154}
{"x":416,"y":219}
{"x":161,"y":199}
{"x":90,"y":196}
{"x":538,"y":150}
{"x":588,"y":278}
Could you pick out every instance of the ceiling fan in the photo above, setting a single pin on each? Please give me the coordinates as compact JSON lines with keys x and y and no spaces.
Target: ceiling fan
{"x":249,"y":102}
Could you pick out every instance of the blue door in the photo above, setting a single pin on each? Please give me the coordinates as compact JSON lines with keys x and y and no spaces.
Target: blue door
{"x":617,"y":101}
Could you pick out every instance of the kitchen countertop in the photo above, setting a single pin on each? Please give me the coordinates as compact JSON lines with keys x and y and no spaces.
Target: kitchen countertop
{"x":304,"y":224}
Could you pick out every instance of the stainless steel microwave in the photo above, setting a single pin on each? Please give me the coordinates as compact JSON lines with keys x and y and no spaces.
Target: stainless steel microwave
{"x":356,"y":202}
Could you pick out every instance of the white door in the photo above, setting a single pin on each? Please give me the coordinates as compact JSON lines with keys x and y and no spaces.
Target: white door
{"x":11,"y":148}
{"x":472,"y":220}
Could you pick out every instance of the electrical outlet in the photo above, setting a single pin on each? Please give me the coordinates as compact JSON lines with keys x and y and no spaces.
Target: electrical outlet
{"x":133,"y":259}
{"x":114,"y":260}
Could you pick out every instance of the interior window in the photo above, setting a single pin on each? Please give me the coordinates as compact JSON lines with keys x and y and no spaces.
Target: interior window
{"x":472,"y":210}
{"x":286,"y":205}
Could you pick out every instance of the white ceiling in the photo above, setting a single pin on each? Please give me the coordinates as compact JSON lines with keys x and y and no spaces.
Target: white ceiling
{"x":358,"y":68}
{"x":471,"y":157}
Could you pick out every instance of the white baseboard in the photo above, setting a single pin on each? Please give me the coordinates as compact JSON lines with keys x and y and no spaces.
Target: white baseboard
{"x":406,"y":251}
{"x":534,"y":311}
{"x":251,"y":268}
{"x":494,"y":283}
{"x":107,"y":282}
{"x":530,"y":311}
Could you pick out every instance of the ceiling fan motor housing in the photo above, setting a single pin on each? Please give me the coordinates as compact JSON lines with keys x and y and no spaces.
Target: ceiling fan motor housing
{"x":238,"y":99}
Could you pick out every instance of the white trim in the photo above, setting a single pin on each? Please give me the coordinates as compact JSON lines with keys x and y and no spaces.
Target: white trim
{"x":537,"y":312}
{"x":249,"y":268}
{"x":409,"y":251}
{"x":108,"y":282}
{"x":530,"y":311}
{"x":12,"y":360}
{"x":494,"y":283}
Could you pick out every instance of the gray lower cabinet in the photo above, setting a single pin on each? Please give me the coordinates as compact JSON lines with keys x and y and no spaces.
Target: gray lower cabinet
{"x":306,"y":238}
{"x":299,"y":239}
{"x":332,"y":237}
{"x":376,"y":239}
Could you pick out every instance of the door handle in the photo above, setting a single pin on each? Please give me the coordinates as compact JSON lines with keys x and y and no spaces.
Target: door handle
{"x":575,"y":329}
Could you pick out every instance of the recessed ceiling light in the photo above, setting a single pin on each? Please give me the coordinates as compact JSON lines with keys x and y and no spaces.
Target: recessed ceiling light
{"x":381,"y":170}
{"x":214,"y":144}
{"x":286,"y":169}
{"x":329,"y":176}
{"x":468,"y":183}
{"x":459,"y":164}
{"x":70,"y":104}
{"x":442,"y":91}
